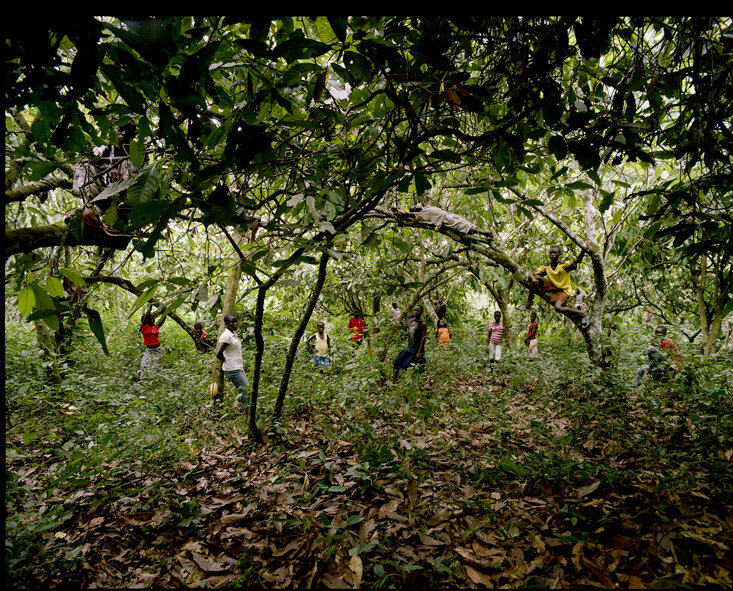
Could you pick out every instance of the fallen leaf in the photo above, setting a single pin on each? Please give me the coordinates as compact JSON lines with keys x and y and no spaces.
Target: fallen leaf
{"x":478,"y":577}
{"x":429,"y":541}
{"x":357,"y":568}
{"x":586,"y":490}
{"x":209,"y":565}
{"x":412,"y":492}
{"x":294,"y":545}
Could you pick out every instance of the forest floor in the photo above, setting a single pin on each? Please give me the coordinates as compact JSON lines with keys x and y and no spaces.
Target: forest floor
{"x":483,"y":479}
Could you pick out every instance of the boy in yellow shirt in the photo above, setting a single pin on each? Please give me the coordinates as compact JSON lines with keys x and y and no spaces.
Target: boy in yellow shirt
{"x":554,"y":280}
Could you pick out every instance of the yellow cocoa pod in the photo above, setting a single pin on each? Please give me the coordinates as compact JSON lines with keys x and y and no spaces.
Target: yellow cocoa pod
{"x":213,"y":389}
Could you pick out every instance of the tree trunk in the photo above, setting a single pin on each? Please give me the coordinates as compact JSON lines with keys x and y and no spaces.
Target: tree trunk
{"x":594,"y":332}
{"x":227,"y":307}
{"x":711,"y":324}
{"x":298,"y":335}
{"x":47,"y":345}
{"x":253,"y":431}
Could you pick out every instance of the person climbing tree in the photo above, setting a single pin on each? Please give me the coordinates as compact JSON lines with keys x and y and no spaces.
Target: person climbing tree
{"x":92,"y":176}
{"x":441,"y":218}
{"x":554,"y":280}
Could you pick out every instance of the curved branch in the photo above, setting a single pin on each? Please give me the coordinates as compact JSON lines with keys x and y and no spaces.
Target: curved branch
{"x":130,"y":286}
{"x":28,"y":239}
{"x":43,"y":186}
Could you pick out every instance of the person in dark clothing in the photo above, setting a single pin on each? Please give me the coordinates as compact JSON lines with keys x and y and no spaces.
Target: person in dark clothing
{"x":441,"y":308}
{"x":414,"y":353}
{"x":203,"y":343}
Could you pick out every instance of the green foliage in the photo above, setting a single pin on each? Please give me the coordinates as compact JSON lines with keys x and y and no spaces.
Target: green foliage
{"x":531,"y":127}
{"x":542,"y":424}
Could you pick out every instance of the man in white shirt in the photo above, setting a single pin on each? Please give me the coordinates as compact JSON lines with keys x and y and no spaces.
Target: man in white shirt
{"x":441,"y":218}
{"x":229,"y":350}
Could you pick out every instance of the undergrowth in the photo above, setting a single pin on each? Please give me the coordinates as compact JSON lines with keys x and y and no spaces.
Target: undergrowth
{"x":536,"y":429}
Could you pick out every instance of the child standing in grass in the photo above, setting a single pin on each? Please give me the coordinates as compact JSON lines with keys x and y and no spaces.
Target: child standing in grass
{"x":153,"y":355}
{"x":531,"y":339}
{"x":201,"y":340}
{"x":495,"y":338}
{"x":320,"y":344}
{"x":442,"y":333}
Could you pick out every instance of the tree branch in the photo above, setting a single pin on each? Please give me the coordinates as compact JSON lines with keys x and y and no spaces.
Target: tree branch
{"x":29,"y":239}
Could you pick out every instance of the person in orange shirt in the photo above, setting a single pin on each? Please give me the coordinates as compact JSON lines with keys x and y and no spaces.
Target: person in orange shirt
{"x":442,"y":333}
{"x":669,"y":346}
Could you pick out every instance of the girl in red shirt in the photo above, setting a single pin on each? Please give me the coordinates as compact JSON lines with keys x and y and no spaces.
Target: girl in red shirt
{"x":153,"y":355}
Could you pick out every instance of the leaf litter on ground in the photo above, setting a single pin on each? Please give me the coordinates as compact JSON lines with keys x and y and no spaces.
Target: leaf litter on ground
{"x":516,"y":491}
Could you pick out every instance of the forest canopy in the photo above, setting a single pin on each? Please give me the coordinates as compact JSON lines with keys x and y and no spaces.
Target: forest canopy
{"x":272,"y":168}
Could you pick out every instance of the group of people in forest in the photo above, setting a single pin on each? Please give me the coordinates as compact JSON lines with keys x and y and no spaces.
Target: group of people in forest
{"x":112,"y":164}
{"x":552,"y":279}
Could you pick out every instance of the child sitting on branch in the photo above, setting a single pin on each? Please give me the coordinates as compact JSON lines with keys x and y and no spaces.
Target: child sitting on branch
{"x":553,"y":279}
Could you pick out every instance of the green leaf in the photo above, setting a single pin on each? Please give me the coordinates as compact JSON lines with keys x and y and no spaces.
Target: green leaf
{"x":38,"y":169}
{"x":578,"y":185}
{"x":73,"y":275}
{"x":110,"y":216}
{"x":148,"y":283}
{"x":45,"y":302}
{"x":54,"y":287}
{"x":45,"y":314}
{"x":508,"y":465}
{"x":594,"y":176}
{"x":445,"y":155}
{"x":324,"y":30}
{"x":175,"y":305}
{"x":144,"y":185}
{"x":358,"y":66}
{"x":95,"y":324}
{"x":137,"y":153}
{"x":653,"y":205}
{"x":478,"y":190}
{"x":26,"y":300}
{"x":606,"y":201}
{"x":145,"y":296}
{"x":422,"y":184}
{"x":557,"y":146}
{"x":338,"y":26}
